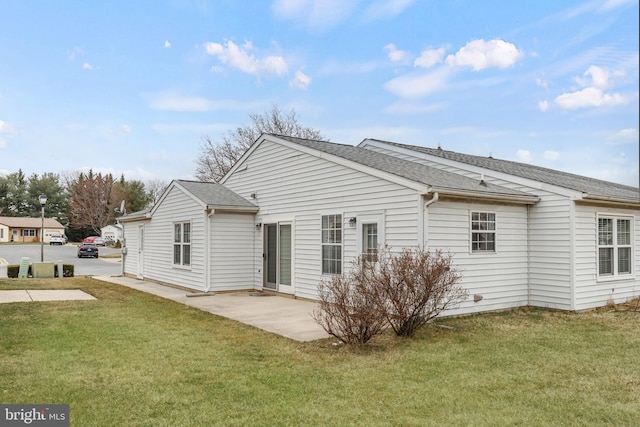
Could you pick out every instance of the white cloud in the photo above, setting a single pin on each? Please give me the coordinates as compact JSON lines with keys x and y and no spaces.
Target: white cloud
{"x":418,"y":85}
{"x":589,"y":97}
{"x":395,"y":54}
{"x":126,"y":128}
{"x":87,"y":66}
{"x":551,"y":155}
{"x":524,"y":156}
{"x":430,"y":57}
{"x":481,"y":54}
{"x":167,"y":44}
{"x":543,"y":105}
{"x":613,"y":4}
{"x":300,"y":80}
{"x":318,"y":15}
{"x":623,"y":136}
{"x":385,"y":9}
{"x":595,"y":77}
{"x":241,"y":58}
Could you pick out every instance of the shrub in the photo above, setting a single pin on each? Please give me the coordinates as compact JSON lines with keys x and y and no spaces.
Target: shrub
{"x":415,"y":286}
{"x":404,"y":290}
{"x":349,"y":308}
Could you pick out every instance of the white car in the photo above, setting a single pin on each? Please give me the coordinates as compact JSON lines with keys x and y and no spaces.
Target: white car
{"x":57,"y":239}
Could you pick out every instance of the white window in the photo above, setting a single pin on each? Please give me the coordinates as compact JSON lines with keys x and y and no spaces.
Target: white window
{"x":483,"y":232}
{"x":614,"y":246}
{"x":29,"y":232}
{"x":331,"y":244}
{"x":182,"y":243}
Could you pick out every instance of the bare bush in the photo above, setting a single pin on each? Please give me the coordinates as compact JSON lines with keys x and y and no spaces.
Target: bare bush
{"x":404,"y":290}
{"x":349,"y":308}
{"x":415,"y":286}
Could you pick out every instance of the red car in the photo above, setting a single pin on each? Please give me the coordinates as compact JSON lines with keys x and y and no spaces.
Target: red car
{"x":90,"y":239}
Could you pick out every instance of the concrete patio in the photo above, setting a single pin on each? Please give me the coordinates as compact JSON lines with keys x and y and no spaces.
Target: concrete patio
{"x":280,"y":315}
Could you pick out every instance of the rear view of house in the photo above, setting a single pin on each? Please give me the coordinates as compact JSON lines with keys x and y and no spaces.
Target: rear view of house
{"x":292,"y":212}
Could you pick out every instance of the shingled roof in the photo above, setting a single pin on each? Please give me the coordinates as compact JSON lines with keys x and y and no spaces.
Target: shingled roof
{"x":440,"y":180}
{"x":24,"y":222}
{"x":216,"y":195}
{"x":590,"y":187}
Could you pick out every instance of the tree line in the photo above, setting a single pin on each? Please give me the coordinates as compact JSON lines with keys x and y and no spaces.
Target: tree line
{"x":84,"y":202}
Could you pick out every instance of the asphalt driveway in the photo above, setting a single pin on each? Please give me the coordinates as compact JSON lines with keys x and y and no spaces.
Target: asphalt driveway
{"x":11,"y":254}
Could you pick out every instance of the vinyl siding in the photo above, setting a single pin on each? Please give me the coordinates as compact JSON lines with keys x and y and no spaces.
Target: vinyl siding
{"x":294,"y":186}
{"x":549,"y":229}
{"x":591,"y":290}
{"x":232,"y":256}
{"x":158,"y":254}
{"x":501,"y":276}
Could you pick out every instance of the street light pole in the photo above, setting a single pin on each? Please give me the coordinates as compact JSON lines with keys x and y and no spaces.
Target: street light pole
{"x":43,"y":201}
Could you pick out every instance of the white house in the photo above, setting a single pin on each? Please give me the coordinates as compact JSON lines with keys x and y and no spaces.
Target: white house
{"x":22,"y":229}
{"x":292,"y":211}
{"x":113,"y":232}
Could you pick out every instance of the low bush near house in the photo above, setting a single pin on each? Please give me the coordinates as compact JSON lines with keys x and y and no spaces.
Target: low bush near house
{"x":349,"y":307}
{"x":415,"y":286}
{"x":403,"y":290}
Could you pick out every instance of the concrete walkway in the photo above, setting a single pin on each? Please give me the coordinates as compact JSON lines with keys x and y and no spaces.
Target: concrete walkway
{"x":284,"y":316}
{"x":27,"y":295}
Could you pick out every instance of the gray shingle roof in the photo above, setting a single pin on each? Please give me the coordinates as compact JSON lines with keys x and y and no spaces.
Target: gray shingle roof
{"x":27,"y":222}
{"x":589,"y":186}
{"x":216,"y":195}
{"x":439,"y":179}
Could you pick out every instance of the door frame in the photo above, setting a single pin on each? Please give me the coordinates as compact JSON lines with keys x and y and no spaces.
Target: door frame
{"x":277,"y":286}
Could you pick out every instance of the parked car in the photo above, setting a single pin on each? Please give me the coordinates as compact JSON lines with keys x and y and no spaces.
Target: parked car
{"x":90,"y":239}
{"x":57,"y":239}
{"x":109,"y":241}
{"x":87,"y":250}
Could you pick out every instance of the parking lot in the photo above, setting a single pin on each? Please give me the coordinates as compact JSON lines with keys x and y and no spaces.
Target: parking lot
{"x":11,"y":254}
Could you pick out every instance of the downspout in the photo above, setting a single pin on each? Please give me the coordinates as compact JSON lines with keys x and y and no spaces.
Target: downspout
{"x":428,"y":203}
{"x":208,"y":213}
{"x":123,"y":249}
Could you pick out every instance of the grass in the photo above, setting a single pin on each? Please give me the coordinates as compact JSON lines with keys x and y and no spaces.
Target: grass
{"x":134,"y":359}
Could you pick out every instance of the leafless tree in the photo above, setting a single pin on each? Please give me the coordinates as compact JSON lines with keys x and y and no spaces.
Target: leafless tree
{"x":217,"y":157}
{"x":155,"y":187}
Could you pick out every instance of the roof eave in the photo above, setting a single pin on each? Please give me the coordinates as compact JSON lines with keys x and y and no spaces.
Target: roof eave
{"x":240,"y":209}
{"x":609,"y":201}
{"x":496,"y":197}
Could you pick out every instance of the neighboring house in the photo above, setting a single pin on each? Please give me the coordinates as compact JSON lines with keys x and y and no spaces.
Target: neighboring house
{"x":292,"y":212}
{"x":113,"y":232}
{"x":21,"y":229}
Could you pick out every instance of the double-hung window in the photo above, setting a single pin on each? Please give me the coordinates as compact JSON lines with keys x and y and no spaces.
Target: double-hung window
{"x":182,"y":243}
{"x":483,"y":232}
{"x":331,"y":244}
{"x":29,"y":232}
{"x":614,"y":246}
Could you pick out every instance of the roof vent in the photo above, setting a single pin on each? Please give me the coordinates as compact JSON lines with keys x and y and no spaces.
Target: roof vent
{"x":439,"y":147}
{"x":482,"y":180}
{"x":490,"y":155}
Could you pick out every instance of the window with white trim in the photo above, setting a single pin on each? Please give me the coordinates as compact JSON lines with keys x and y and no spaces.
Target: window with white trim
{"x":614,"y":246}
{"x":182,"y":243}
{"x":483,"y":232}
{"x":331,"y":244}
{"x":29,"y":232}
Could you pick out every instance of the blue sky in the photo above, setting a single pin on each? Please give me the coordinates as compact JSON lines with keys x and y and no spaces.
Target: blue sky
{"x":130,"y":87}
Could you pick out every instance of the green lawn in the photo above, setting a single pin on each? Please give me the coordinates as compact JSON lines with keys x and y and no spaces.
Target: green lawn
{"x":132,"y":359}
